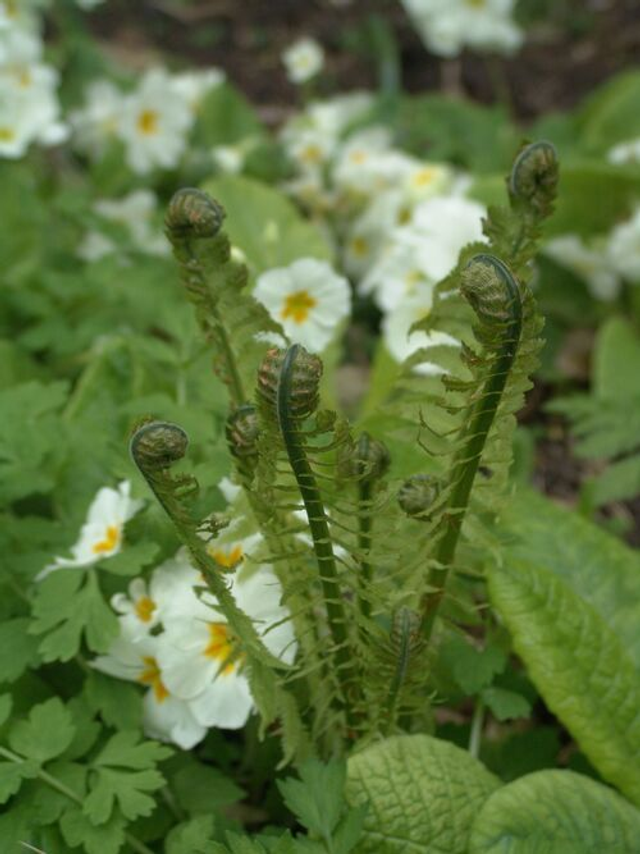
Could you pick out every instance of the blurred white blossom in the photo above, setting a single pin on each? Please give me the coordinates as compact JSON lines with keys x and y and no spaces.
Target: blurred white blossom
{"x":154,"y":123}
{"x":303,"y":60}
{"x":448,"y":26}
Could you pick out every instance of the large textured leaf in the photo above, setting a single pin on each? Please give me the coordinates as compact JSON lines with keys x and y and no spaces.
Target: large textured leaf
{"x":265,"y":225}
{"x":555,"y":811}
{"x":596,"y":566}
{"x":579,"y":666}
{"x":422,"y":792}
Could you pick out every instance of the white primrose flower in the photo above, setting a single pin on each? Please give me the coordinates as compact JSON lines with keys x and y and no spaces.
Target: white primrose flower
{"x":308,"y":299}
{"x":165,"y":716}
{"x":102,"y":534}
{"x":303,"y":60}
{"x":201,"y":659}
{"x":625,"y":152}
{"x":96,"y":124}
{"x":154,"y":123}
{"x":169,"y":595}
{"x":29,"y":107}
{"x":447,"y":26}
{"x":591,"y":263}
{"x":401,"y":342}
{"x":426,"y":250}
{"x":623,"y":248}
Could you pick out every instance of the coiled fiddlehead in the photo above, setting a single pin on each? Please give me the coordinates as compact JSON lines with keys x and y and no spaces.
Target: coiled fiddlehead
{"x":155,"y":447}
{"x":493,"y":293}
{"x":288,"y":386}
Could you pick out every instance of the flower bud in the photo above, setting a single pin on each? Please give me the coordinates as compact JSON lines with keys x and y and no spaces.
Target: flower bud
{"x":417,"y":495}
{"x":297,"y":373}
{"x":158,"y":444}
{"x":192,"y":213}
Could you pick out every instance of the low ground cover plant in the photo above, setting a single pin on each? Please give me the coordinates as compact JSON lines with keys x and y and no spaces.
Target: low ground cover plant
{"x":250,"y":601}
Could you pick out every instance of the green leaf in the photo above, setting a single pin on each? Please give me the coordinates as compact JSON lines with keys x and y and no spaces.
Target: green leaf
{"x":265,"y":225}
{"x":131,"y":560}
{"x":17,"y":649}
{"x":106,"y":839}
{"x":611,"y":114}
{"x":616,"y":356}
{"x":615,"y":189}
{"x":423,"y":795}
{"x":578,"y":664}
{"x":506,"y":705}
{"x":6,"y":704}
{"x":600,"y":569}
{"x":555,"y":811}
{"x":226,"y":117}
{"x":30,"y":436}
{"x":47,"y":732}
{"x":45,"y":804}
{"x":317,"y":798}
{"x":126,"y":788}
{"x":124,"y":773}
{"x":204,"y":789}
{"x":11,"y":776}
{"x":473,"y":669}
{"x":192,"y":837}
{"x":125,"y":750}
{"x":69,"y":604}
{"x":118,"y":703}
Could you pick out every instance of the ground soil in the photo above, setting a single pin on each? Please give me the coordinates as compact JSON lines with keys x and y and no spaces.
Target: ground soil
{"x":573,"y":45}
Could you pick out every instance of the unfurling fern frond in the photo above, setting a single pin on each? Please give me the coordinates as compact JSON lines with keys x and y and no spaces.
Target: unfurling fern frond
{"x":216,"y":284}
{"x":468,"y":423}
{"x":155,"y":447}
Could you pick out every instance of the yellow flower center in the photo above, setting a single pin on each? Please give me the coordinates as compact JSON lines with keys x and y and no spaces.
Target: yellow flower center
{"x":297,"y":306}
{"x":111,"y":540}
{"x":220,"y":647}
{"x":424,"y":177}
{"x":144,"y":608}
{"x":360,"y":247}
{"x":151,"y":676}
{"x":148,"y":122}
{"x":404,"y":215}
{"x":358,"y":156}
{"x":412,"y":278}
{"x":476,"y":4}
{"x":12,"y":8}
{"x":7,"y":134}
{"x":229,"y":559}
{"x":311,"y":154}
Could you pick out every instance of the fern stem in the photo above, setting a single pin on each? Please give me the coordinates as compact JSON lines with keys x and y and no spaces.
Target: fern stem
{"x":56,"y":784}
{"x":319,"y":528}
{"x":216,"y":327}
{"x":474,"y":433}
{"x":365,"y":521}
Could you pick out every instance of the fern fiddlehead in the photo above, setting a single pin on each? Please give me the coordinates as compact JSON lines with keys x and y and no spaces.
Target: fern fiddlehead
{"x":289,"y":386}
{"x":493,"y":293}
{"x":155,"y":447}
